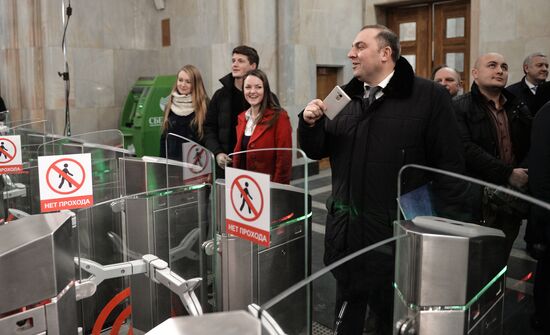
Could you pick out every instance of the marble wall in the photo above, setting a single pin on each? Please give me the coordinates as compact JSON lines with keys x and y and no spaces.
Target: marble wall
{"x":110,"y":44}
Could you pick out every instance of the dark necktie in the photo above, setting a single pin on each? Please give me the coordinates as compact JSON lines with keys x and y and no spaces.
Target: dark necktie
{"x":372,"y":93}
{"x":371,"y":97}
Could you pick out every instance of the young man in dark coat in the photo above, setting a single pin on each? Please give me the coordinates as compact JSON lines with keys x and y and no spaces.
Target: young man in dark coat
{"x":226,"y":104}
{"x":409,"y":121}
{"x":495,"y":128}
{"x":535,"y":68}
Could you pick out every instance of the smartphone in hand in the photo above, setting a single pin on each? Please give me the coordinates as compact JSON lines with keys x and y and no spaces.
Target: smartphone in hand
{"x":335,"y":101}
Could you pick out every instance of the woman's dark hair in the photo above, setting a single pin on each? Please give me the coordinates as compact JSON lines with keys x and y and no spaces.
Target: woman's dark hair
{"x":268,"y":101}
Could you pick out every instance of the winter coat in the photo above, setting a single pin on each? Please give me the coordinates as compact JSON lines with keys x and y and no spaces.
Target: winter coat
{"x":479,"y":135}
{"x":221,"y":119}
{"x":411,"y":123}
{"x":179,"y":125}
{"x":276,"y":163}
{"x":521,"y":91}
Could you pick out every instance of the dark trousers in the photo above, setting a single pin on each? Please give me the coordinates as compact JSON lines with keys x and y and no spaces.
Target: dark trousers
{"x":380,"y":301}
{"x":506,"y":222}
{"x":541,"y":291}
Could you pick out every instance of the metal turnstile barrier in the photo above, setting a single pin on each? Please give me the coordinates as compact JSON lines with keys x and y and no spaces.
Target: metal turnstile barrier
{"x":449,"y":278}
{"x":248,"y":273}
{"x":171,"y":224}
{"x":37,"y":275}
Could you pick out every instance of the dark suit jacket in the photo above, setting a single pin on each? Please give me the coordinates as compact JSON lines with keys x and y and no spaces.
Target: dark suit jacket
{"x":522,"y":91}
{"x":542,"y":96}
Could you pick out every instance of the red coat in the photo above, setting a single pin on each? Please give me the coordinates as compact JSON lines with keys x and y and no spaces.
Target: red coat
{"x":276,"y":163}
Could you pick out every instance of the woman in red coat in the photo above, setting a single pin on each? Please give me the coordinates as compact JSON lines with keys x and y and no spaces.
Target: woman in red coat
{"x":264,"y":125}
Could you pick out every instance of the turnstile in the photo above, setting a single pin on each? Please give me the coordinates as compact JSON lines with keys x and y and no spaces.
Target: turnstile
{"x":37,"y":275}
{"x":248,"y":273}
{"x":449,"y":278}
{"x":169,"y":224}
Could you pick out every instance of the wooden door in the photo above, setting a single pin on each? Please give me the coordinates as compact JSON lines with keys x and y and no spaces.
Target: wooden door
{"x":452,"y":36}
{"x":413,"y":25}
{"x":432,"y":34}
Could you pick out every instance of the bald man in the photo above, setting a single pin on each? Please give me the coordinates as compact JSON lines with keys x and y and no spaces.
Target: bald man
{"x":449,"y":78}
{"x":495,"y":130}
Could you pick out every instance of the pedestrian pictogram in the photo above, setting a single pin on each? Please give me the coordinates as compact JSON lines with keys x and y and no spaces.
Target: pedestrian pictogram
{"x":197,"y":168}
{"x":61,"y":170}
{"x":10,"y":155}
{"x":65,"y":182}
{"x":247,"y":205}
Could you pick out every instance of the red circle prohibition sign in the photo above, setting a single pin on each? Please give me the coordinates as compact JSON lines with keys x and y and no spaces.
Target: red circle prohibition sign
{"x":68,"y":178}
{"x":11,"y":157}
{"x":199,"y":153}
{"x":257,"y":213}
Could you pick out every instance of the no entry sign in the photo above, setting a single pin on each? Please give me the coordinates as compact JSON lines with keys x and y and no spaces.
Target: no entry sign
{"x":247,"y":205}
{"x":65,"y":182}
{"x":199,"y":167}
{"x":10,"y":155}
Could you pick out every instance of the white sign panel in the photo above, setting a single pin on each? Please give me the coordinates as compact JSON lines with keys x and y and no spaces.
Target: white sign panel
{"x":199,"y":166}
{"x":65,"y":182}
{"x":10,"y":155}
{"x":247,"y":205}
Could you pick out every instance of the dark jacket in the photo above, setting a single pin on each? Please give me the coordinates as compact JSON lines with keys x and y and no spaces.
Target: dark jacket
{"x":221,"y":119}
{"x":479,"y":135}
{"x":412,"y":123}
{"x":539,"y":173}
{"x":542,"y":96}
{"x":182,"y":126}
{"x":521,"y":91}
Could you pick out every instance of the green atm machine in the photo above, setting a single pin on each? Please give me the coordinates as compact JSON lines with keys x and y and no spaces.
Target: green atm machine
{"x":142,"y":115}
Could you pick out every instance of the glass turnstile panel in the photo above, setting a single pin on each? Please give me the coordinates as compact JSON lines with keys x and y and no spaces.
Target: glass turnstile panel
{"x":126,"y":229}
{"x":105,"y":147}
{"x":20,"y":191}
{"x":452,"y":275}
{"x":250,"y":273}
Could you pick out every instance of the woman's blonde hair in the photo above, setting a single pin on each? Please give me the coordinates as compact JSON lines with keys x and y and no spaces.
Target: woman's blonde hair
{"x":198,"y":96}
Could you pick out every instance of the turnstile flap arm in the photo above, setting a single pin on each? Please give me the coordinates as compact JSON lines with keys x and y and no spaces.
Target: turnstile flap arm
{"x":152,"y":266}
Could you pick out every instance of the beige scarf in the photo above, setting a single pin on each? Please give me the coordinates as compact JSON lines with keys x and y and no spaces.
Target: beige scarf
{"x":182,"y":105}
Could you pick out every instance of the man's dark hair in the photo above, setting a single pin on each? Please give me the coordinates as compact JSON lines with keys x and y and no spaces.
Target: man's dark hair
{"x":387,"y":38}
{"x":249,"y":52}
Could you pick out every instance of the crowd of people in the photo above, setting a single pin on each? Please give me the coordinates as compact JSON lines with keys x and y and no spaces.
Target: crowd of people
{"x":242,"y":116}
{"x":492,"y":132}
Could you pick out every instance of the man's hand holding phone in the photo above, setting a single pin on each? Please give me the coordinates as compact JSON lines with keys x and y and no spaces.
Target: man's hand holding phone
{"x":331,"y":106}
{"x":314,"y":111}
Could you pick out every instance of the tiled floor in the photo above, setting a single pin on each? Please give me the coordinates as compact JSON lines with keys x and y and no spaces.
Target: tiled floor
{"x":518,"y":296}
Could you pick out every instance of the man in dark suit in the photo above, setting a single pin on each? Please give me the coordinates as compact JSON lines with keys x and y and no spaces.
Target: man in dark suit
{"x":535,"y":68}
{"x":539,"y":184}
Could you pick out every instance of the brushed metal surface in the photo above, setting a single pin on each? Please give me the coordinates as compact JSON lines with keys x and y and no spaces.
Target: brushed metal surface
{"x":35,"y":249}
{"x":227,"y":323}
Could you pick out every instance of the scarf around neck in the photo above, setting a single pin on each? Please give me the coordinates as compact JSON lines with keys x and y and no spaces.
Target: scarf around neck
{"x":182,"y":105}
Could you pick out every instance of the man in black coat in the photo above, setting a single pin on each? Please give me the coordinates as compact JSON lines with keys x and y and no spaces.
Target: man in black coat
{"x":495,"y":130}
{"x":539,"y":184}
{"x":409,"y":121}
{"x":535,"y":68}
{"x":226,"y":104}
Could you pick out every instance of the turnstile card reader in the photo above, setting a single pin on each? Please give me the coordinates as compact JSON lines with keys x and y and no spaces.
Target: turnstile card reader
{"x":449,"y":278}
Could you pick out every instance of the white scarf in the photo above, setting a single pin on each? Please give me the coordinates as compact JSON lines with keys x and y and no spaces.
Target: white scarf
{"x":182,"y":105}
